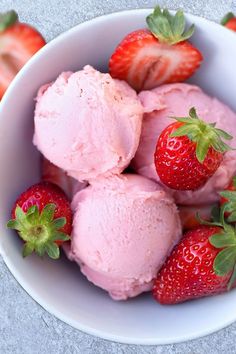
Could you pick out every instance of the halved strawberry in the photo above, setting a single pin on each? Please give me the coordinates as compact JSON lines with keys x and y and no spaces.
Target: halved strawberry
{"x":229,"y":21}
{"x":18,"y":42}
{"x":148,"y":58}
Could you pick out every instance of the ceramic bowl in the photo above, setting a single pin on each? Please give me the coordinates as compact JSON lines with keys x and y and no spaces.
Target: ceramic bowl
{"x":58,"y":285}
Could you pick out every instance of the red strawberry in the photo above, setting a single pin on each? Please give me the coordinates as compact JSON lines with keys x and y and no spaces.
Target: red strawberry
{"x":228,"y":201}
{"x":203,"y":264}
{"x":188,"y":215}
{"x":18,"y":42}
{"x":189,"y":151}
{"x":149,"y":58}
{"x":229,"y":21}
{"x":43,"y":218}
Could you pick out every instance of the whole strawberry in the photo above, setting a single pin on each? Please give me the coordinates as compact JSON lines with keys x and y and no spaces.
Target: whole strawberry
{"x":18,"y":42}
{"x":203,"y":264}
{"x":189,"y":151}
{"x":43,"y":219}
{"x":229,"y":21}
{"x":161,"y":54}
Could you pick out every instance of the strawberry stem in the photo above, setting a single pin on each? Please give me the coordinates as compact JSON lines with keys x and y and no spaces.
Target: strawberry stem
{"x":7,"y":20}
{"x":168,"y":28}
{"x":226,"y":18}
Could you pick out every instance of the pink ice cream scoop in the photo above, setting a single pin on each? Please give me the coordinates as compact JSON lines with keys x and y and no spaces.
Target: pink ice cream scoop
{"x":88,"y":123}
{"x":176,"y":100}
{"x":124,"y":228}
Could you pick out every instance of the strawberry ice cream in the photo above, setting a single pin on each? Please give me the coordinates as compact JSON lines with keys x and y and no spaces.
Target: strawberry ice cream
{"x":56,"y":175}
{"x":124,"y":227}
{"x":176,"y":100}
{"x":88,"y":123}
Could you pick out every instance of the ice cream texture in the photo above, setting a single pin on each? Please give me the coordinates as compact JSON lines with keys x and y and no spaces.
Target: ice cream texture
{"x":56,"y":175}
{"x":88,"y":123}
{"x":175,"y":100}
{"x":124,"y":228}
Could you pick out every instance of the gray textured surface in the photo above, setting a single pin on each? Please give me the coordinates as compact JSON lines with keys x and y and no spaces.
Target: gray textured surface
{"x":25,"y":328}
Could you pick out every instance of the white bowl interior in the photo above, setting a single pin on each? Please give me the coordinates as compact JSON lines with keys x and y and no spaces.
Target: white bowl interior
{"x":58,"y":286}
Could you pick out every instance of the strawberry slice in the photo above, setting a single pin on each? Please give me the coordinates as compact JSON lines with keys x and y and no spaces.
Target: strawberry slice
{"x":229,"y":21}
{"x":18,"y":42}
{"x":148,"y":58}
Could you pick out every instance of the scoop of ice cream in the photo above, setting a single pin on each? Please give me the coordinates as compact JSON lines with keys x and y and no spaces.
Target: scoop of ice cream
{"x":124,"y":228}
{"x":88,"y":123}
{"x":176,"y":100}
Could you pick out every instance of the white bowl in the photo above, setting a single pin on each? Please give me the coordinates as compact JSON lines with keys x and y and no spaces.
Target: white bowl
{"x":58,"y":286}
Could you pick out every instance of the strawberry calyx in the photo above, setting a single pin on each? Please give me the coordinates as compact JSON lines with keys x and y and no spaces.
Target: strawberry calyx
{"x":230,"y":203}
{"x":205,"y":135}
{"x":7,"y":20}
{"x":225,"y":240}
{"x":168,"y":28}
{"x":226,"y":18}
{"x":225,"y":261}
{"x":39,"y":231}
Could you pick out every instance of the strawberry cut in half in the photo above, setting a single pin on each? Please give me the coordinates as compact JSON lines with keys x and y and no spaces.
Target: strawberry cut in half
{"x":229,"y":21}
{"x":189,"y":151}
{"x":43,"y":219}
{"x":18,"y":43}
{"x":147,"y":58}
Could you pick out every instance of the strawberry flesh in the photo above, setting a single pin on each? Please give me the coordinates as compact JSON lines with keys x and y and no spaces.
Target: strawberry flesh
{"x":144,"y":62}
{"x":18,"y":44}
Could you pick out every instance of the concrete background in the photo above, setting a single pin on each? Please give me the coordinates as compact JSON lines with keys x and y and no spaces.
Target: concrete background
{"x":26,"y":328}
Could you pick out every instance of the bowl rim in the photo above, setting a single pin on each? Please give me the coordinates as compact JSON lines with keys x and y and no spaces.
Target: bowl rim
{"x":14,"y":271}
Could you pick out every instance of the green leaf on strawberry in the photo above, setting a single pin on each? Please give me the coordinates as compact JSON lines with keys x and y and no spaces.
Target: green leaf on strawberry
{"x":230,"y":204}
{"x":215,"y":213}
{"x":205,"y":135}
{"x":232,"y":279}
{"x":226,"y":18}
{"x":225,"y":260}
{"x":169,"y":28}
{"x":40,"y":231}
{"x":7,"y":19}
